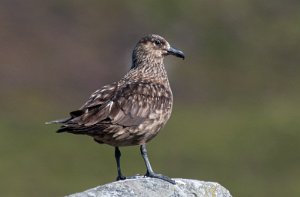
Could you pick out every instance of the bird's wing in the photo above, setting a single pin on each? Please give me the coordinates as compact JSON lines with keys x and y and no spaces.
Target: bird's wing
{"x":99,"y":97}
{"x":131,"y":105}
{"x":137,"y":102}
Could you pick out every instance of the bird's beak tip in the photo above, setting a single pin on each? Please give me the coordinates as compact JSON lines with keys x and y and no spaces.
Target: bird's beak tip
{"x":176,"y":52}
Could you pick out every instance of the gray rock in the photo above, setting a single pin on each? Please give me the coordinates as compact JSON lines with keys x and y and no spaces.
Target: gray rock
{"x":150,"y":187}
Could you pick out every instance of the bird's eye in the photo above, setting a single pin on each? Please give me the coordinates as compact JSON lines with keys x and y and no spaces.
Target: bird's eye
{"x":157,"y":42}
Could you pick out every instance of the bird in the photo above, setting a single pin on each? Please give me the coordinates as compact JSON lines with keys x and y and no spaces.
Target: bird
{"x":131,"y":111}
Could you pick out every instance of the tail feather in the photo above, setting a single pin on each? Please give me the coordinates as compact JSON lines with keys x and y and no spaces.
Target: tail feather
{"x":58,"y":121}
{"x":75,"y":128}
{"x":79,"y":129}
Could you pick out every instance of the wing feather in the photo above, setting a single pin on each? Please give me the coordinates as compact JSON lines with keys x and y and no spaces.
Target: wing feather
{"x":126,"y":106}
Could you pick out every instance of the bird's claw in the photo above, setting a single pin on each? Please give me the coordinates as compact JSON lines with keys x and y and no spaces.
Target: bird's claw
{"x":121,"y":178}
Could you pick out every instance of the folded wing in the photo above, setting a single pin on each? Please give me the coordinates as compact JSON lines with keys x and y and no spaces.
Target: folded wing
{"x":126,"y":106}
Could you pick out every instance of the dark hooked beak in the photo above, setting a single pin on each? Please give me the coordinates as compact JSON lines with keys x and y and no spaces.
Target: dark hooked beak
{"x":177,"y":53}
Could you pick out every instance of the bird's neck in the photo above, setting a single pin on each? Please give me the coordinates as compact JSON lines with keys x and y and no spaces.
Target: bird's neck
{"x":149,"y":69}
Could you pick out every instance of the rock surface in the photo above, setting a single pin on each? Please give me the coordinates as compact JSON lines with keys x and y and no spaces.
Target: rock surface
{"x":149,"y":187}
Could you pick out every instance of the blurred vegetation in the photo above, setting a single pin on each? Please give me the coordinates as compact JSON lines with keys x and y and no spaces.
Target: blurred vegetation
{"x":236,"y":114}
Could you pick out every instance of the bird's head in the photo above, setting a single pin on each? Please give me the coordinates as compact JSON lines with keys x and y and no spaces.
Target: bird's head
{"x":154,"y":47}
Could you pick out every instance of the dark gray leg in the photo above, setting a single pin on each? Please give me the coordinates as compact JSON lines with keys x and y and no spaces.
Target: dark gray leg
{"x":118,"y":156}
{"x":150,"y":172}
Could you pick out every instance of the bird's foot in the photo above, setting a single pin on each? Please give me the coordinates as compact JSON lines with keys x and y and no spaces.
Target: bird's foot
{"x":121,"y":177}
{"x":160,"y":176}
{"x":128,"y":177}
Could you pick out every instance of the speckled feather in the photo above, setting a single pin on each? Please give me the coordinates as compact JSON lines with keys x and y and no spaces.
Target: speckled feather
{"x":132,"y":110}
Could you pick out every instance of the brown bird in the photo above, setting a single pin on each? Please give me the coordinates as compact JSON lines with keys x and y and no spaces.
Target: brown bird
{"x":133,"y":110}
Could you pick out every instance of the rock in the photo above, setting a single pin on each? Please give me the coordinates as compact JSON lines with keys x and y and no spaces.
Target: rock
{"x":150,"y":187}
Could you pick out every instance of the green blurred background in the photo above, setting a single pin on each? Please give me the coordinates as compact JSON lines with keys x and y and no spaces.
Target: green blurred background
{"x":236,"y":115}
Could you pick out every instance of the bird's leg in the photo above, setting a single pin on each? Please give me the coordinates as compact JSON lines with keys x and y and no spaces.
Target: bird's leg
{"x":118,"y":156}
{"x":150,"y":172}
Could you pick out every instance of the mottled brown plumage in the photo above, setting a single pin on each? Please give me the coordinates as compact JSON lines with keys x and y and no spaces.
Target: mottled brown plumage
{"x":133,"y":110}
